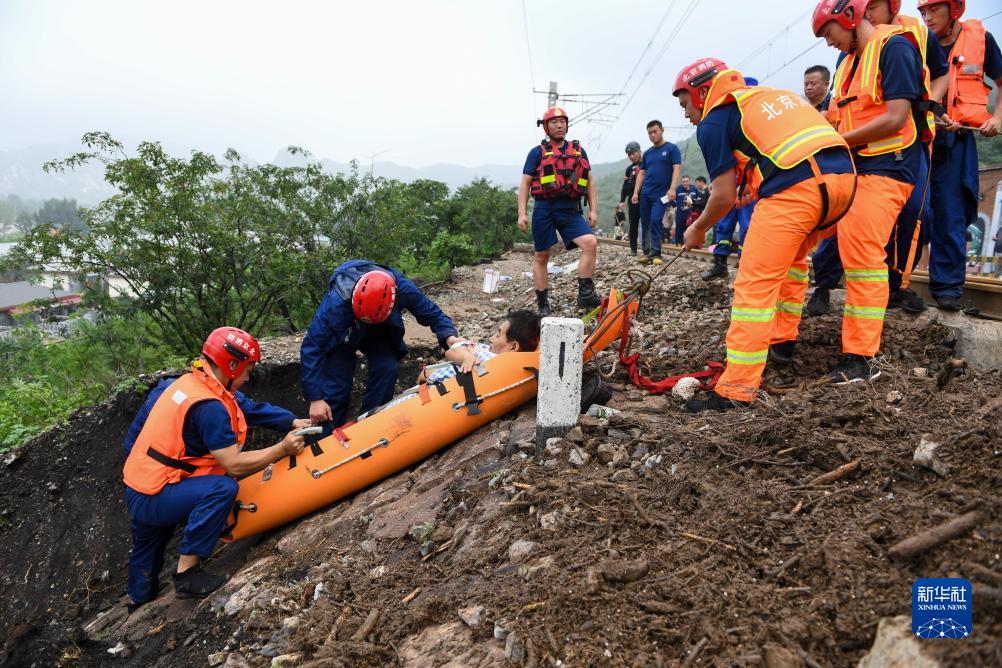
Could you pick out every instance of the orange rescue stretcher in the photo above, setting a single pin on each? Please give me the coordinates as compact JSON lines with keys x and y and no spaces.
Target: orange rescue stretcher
{"x":404,"y":432}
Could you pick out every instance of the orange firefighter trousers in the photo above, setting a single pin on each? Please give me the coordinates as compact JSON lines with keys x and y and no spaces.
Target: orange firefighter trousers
{"x":862,"y":236}
{"x":770,"y":287}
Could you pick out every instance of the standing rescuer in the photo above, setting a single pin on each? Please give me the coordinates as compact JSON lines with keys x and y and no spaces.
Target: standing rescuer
{"x":557,"y":175}
{"x":626,"y":193}
{"x":879,"y":105}
{"x":182,"y":452}
{"x":655,"y":190}
{"x":972,"y":54}
{"x":771,"y":145}
{"x":903,"y":245}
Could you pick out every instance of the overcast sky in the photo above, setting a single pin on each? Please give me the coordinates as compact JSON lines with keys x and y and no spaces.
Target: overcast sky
{"x":415,"y":82}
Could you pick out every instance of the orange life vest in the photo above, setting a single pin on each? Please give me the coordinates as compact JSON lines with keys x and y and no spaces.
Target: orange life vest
{"x":781,"y":127}
{"x":158,"y":457}
{"x":967,"y":96}
{"x":860,"y":100}
{"x":561,"y":172}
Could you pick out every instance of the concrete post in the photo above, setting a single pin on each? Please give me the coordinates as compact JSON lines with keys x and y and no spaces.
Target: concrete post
{"x":558,"y":402}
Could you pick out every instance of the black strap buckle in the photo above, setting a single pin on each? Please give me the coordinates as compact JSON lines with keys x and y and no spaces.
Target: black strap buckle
{"x":472,"y":402}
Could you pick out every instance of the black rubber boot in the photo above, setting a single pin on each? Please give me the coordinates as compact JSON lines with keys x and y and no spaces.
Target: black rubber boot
{"x":782,"y":352}
{"x":586,"y":294}
{"x":947,"y":303}
{"x":717,"y":270}
{"x":196,"y":583}
{"x":820,"y":302}
{"x":713,"y":402}
{"x":543,"y":302}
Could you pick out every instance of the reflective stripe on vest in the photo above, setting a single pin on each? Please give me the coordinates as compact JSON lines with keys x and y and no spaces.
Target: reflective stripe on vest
{"x":561,"y":173}
{"x":861,"y":100}
{"x":967,"y":95}
{"x":781,"y":127}
{"x":158,"y":457}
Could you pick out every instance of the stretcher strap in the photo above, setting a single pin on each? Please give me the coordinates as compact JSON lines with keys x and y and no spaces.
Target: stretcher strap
{"x":422,"y":391}
{"x":472,"y":402}
{"x":707,"y":379}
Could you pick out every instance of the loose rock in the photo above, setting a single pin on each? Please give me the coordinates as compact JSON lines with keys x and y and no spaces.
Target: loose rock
{"x":521,"y":550}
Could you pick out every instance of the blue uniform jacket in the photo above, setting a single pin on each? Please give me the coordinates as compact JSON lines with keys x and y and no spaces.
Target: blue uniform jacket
{"x":334,"y":325}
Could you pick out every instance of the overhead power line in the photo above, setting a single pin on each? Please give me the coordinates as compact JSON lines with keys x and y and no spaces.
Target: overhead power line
{"x":688,"y":12}
{"x":528,"y":47}
{"x":770,"y":41}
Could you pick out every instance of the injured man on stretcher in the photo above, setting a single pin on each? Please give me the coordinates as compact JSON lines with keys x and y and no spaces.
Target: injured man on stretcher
{"x":519,"y":332}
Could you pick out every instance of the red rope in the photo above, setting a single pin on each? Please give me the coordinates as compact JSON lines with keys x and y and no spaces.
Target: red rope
{"x":708,"y":378}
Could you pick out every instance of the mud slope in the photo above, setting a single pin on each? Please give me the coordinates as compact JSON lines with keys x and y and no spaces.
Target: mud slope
{"x":650,"y":537}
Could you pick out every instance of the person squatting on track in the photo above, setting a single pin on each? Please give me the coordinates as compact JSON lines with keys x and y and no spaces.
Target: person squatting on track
{"x":904,"y":246}
{"x":771,"y":145}
{"x":972,"y":54}
{"x":655,"y":190}
{"x":556,"y":174}
{"x":183,"y":449}
{"x":626,"y":194}
{"x":362,"y":311}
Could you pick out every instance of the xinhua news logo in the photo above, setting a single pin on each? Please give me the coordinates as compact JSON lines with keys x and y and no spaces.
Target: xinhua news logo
{"x":941,"y":608}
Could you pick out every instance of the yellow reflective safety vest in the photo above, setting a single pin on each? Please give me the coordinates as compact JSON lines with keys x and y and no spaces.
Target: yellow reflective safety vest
{"x":860,"y":100}
{"x":782,"y":129}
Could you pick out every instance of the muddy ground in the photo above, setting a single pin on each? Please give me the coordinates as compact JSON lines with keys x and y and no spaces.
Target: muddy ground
{"x":651,"y":537}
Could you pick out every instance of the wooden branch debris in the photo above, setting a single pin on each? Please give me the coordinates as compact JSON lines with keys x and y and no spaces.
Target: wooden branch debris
{"x":366,"y":628}
{"x":937,"y":535}
{"x":411,"y":596}
{"x":983,"y":573}
{"x":710,"y":541}
{"x":836,"y":474}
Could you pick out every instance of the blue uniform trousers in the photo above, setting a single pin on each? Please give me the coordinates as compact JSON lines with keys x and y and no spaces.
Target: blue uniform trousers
{"x":900,"y":244}
{"x":827,"y":264}
{"x":681,"y":218}
{"x":954,"y":187}
{"x":652,"y":227}
{"x":723,"y":231}
{"x":382,"y":351}
{"x":201,"y":504}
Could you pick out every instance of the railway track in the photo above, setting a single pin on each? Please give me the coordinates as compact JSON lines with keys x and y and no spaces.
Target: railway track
{"x":982,"y":292}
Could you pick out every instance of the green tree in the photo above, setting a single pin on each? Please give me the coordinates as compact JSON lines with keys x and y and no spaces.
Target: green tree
{"x":201,"y":243}
{"x":59,"y":213}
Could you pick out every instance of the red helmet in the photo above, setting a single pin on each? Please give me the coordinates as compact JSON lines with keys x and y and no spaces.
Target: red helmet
{"x":895,"y":6}
{"x":956,"y":6}
{"x":373,"y":298}
{"x":229,"y":344}
{"x":834,"y":10}
{"x":696,"y":75}
{"x":551,"y":113}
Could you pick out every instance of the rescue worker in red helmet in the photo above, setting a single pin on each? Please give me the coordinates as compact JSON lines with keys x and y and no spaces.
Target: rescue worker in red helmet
{"x":183,"y":452}
{"x":903,"y":247}
{"x":362,"y":311}
{"x":769,"y":145}
{"x":557,"y":175}
{"x":973,"y":55}
{"x":880,"y":106}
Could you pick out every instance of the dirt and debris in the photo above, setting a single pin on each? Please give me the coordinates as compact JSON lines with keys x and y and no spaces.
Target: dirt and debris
{"x":646,"y":537}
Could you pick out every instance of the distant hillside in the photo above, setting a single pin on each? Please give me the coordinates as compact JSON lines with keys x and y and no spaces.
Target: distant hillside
{"x":21,"y":174}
